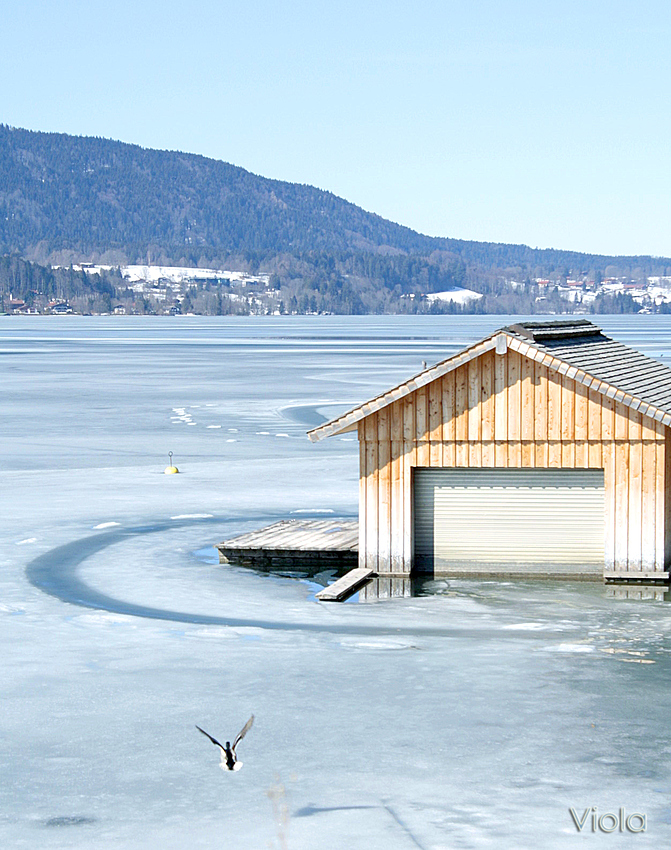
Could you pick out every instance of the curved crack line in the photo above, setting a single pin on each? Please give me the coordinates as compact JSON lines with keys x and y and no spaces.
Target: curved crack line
{"x":56,"y":573}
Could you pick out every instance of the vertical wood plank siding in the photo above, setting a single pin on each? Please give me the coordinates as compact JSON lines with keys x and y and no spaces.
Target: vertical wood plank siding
{"x":507,"y":410}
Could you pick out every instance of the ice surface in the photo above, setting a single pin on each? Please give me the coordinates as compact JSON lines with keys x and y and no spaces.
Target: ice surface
{"x":470,"y":717}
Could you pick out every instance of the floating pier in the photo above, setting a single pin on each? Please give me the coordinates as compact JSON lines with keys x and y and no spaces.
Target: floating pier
{"x":328,"y":544}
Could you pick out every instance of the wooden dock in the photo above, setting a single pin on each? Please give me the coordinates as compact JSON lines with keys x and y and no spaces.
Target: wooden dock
{"x":302,"y":543}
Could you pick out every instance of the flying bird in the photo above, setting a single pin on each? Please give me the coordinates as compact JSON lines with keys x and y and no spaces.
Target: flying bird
{"x":229,"y":760}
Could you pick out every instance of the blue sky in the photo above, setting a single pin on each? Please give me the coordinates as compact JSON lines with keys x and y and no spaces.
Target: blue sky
{"x":543,"y":123}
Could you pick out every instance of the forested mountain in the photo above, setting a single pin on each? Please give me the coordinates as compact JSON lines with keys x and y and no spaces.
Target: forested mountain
{"x":65,"y":199}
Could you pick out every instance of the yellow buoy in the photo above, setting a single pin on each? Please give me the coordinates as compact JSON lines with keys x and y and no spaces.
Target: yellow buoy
{"x":170,"y":469}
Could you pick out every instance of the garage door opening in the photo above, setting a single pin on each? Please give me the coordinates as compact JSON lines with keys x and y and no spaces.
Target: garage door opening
{"x":543,"y":522}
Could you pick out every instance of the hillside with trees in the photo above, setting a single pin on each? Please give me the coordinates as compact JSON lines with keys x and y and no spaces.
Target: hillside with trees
{"x":67,"y":199}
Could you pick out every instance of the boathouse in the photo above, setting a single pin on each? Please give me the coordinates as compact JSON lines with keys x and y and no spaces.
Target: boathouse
{"x":544,"y":449}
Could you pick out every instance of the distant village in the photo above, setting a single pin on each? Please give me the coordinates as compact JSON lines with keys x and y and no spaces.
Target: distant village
{"x":177,"y":290}
{"x":650,"y":292}
{"x":165,"y":290}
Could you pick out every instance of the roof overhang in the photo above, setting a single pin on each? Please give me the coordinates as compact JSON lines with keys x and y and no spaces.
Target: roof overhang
{"x":349,"y":421}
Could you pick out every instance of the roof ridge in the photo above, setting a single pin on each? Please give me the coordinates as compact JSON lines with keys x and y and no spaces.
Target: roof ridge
{"x":560,"y":329}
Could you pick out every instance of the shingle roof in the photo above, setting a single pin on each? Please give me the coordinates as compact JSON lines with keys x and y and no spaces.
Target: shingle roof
{"x":576,"y":348}
{"x":585,"y":346}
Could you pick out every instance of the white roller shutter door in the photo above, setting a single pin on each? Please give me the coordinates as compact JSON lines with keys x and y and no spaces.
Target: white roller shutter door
{"x":509,"y":520}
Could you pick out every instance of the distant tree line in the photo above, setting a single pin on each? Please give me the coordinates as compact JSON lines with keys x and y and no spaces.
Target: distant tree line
{"x":314,"y":287}
{"x":38,"y":285}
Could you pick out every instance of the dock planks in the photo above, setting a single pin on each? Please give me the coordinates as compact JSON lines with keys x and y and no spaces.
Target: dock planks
{"x":332,"y":543}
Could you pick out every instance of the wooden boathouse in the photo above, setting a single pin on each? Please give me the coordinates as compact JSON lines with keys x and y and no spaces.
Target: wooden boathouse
{"x":544,"y":450}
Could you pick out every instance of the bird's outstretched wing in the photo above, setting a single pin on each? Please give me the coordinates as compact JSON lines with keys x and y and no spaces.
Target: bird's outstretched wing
{"x":243,"y":732}
{"x":214,"y":740}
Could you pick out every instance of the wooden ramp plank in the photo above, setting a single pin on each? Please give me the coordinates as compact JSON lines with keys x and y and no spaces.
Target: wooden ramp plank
{"x":346,"y":586}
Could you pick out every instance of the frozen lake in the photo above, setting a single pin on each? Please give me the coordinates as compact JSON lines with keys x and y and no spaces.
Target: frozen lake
{"x":471,"y":718}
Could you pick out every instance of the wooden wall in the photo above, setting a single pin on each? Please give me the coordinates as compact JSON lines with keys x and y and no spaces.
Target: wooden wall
{"x":506,"y":410}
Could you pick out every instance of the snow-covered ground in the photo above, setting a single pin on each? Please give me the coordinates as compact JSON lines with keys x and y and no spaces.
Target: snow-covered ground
{"x":459,"y":295}
{"x":471,"y":718}
{"x":175,"y":274}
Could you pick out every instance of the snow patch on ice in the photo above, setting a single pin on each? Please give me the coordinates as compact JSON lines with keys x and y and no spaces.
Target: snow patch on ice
{"x":527,"y":627}
{"x":192,"y":516}
{"x":27,"y":540}
{"x":106,"y":618}
{"x":210,"y":633}
{"x":106,"y":525}
{"x":182,"y":415}
{"x":313,"y":511}
{"x":214,"y":426}
{"x":636,"y":660}
{"x":354,"y":643}
{"x":570,"y":647}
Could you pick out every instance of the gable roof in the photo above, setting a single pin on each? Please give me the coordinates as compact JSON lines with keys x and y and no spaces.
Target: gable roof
{"x":575,"y":348}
